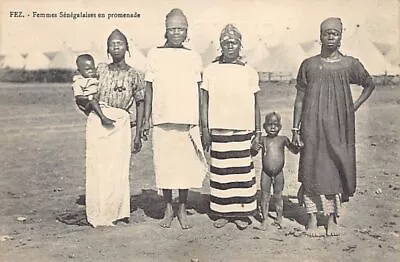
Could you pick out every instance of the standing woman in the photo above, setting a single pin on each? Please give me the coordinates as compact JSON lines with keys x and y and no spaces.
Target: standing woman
{"x":324,"y":122}
{"x":172,"y":99}
{"x":230,"y":115}
{"x":108,"y":149}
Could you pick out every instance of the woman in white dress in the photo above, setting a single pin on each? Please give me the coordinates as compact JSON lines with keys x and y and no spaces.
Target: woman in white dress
{"x":108,"y":148}
{"x":173,"y":76}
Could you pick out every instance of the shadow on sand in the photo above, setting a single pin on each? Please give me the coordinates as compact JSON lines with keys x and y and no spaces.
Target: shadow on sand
{"x":150,"y":204}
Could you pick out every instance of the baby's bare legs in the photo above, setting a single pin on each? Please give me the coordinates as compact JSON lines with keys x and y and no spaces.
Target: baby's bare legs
{"x":278,"y":184}
{"x":169,"y":211}
{"x":105,"y":121}
{"x":265,"y":198}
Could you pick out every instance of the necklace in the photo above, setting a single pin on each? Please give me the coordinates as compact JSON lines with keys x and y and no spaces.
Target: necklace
{"x":336,"y":57}
{"x":119,"y":80}
{"x":330,"y":59}
{"x":118,"y":75}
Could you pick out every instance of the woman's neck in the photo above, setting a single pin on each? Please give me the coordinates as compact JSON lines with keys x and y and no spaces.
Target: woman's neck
{"x":169,"y":45}
{"x":121,"y":64}
{"x":229,"y":60}
{"x":330,"y":54}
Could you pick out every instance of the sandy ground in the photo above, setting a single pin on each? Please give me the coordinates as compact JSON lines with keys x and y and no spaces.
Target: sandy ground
{"x":42,"y":177}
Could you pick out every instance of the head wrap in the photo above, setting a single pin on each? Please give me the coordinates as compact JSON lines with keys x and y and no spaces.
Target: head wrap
{"x":116,"y":34}
{"x":230,"y":32}
{"x":176,"y":19}
{"x":331,"y":23}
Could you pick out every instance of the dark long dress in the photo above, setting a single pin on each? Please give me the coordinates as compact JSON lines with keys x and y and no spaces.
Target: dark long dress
{"x":327,"y":162}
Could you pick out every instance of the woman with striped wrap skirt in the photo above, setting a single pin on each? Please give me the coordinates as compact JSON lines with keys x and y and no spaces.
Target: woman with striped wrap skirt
{"x":230,"y":116}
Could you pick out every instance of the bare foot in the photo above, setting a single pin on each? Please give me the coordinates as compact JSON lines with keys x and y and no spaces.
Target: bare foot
{"x":107,"y":122}
{"x":277,"y":224}
{"x":220,"y":222}
{"x":315,"y":232}
{"x":263,"y":225}
{"x":241,"y":224}
{"x":312,"y":229}
{"x":168,"y":216}
{"x":182,"y":217}
{"x":332,"y":229}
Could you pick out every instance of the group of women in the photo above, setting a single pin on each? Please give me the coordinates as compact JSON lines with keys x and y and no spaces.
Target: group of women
{"x":191,"y":109}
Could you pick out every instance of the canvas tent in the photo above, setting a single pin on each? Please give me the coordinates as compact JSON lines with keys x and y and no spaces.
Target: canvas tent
{"x":144,"y":51}
{"x":64,"y":59}
{"x":13,"y":61}
{"x":311,"y":48}
{"x":36,"y":60}
{"x":137,"y":60}
{"x":382,"y":47}
{"x":359,"y":45}
{"x":210,"y":53}
{"x":50,"y":55}
{"x":99,"y":55}
{"x":285,"y":59}
{"x":393,"y":55}
{"x":257,"y":55}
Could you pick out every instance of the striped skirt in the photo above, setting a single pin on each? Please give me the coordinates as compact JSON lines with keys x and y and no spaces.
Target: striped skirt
{"x":324,"y":204}
{"x":232,"y":176}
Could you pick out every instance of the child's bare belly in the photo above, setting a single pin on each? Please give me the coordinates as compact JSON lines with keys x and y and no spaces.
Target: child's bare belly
{"x":273,"y":164}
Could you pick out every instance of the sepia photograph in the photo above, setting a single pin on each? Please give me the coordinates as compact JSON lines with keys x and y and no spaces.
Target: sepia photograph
{"x":199,"y":131}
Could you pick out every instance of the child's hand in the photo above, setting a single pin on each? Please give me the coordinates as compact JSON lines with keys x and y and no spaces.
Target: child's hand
{"x":296,"y":140}
{"x":253,"y":152}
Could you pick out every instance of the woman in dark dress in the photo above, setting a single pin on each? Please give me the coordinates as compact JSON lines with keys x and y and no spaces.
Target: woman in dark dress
{"x":324,"y":123}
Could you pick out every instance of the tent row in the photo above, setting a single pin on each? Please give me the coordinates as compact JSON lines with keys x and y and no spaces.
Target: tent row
{"x":278,"y":62}
{"x":63,"y":59}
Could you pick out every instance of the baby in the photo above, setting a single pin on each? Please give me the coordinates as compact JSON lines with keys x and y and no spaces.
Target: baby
{"x":273,"y":160}
{"x":85,"y":86}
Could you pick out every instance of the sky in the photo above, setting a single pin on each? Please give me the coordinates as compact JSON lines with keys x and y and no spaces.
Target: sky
{"x":268,"y":20}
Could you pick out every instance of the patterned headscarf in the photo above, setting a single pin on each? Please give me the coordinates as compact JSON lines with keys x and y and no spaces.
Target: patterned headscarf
{"x":176,"y":19}
{"x":230,"y":32}
{"x":116,"y":34}
{"x":331,"y":23}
